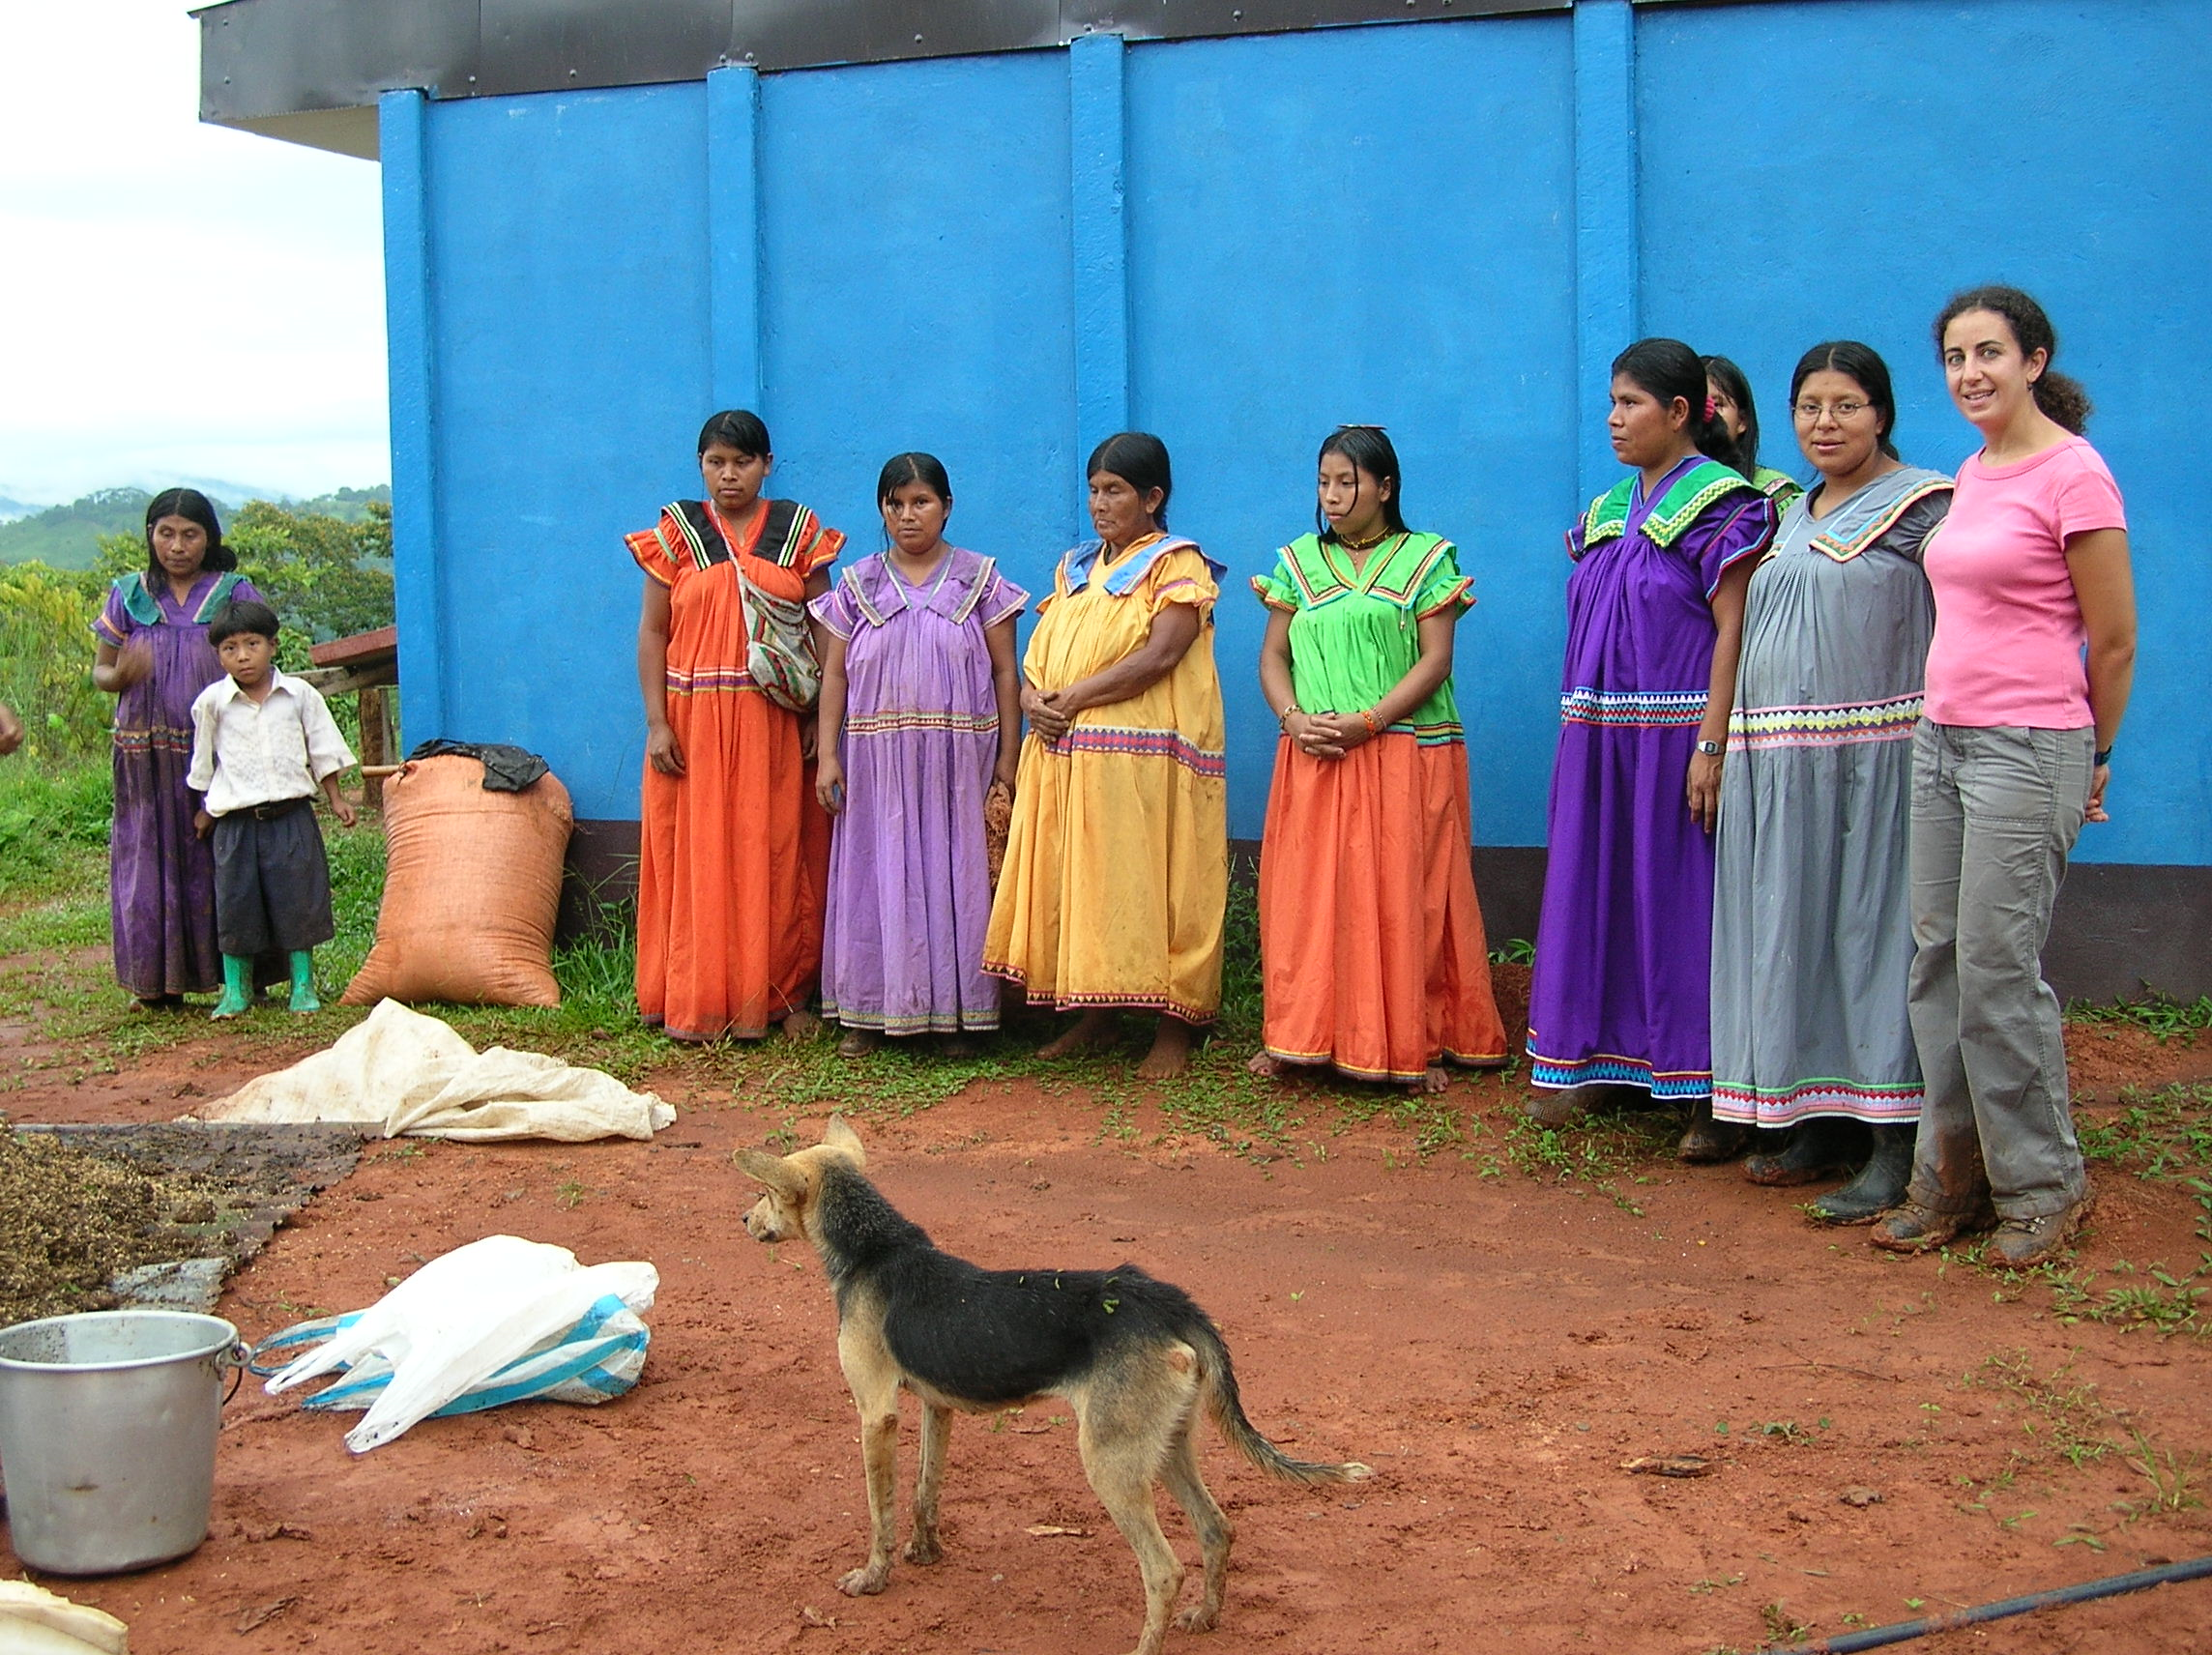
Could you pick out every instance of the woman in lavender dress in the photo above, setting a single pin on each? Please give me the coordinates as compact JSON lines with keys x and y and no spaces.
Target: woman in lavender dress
{"x":1621,"y":995}
{"x":921,"y":722}
{"x":153,"y":658}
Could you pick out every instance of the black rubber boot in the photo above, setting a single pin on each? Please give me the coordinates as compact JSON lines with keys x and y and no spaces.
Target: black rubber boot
{"x":1816,"y":1148}
{"x":1880,"y":1186}
{"x":1708,"y":1142}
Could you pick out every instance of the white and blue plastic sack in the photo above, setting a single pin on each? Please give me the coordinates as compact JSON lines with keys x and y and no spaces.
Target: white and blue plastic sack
{"x":499,"y":1320}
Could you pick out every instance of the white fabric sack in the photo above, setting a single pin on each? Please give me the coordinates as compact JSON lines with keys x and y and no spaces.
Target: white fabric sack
{"x":401,"y":1071}
{"x":33,"y":1621}
{"x":456,"y":1323}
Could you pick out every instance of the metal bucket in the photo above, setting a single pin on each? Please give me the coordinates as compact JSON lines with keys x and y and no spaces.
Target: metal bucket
{"x":108,"y":1428}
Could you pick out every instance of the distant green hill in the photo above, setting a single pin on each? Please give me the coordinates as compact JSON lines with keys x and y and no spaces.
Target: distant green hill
{"x":67,"y":537}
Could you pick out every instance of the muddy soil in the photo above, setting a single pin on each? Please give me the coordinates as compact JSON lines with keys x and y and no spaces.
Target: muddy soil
{"x":1495,"y":1346}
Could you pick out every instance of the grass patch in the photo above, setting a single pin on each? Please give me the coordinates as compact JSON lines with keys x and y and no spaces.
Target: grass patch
{"x":53,"y":832}
{"x":2161,"y":1013}
{"x":2164,"y":1134}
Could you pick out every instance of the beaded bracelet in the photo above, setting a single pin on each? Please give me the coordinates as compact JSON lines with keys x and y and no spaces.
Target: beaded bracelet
{"x":1367,"y":718}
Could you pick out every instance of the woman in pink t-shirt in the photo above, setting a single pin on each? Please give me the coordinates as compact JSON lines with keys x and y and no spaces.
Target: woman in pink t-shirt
{"x":2027,"y":679}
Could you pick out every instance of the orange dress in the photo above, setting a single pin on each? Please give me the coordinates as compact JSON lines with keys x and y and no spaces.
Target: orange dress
{"x":1371,"y":946}
{"x":734,"y":854}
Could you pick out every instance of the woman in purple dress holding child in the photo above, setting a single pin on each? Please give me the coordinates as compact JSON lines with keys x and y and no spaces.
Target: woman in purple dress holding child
{"x":921,"y":722}
{"x":155,"y":659}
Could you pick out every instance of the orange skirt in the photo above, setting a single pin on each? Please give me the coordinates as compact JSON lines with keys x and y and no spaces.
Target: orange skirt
{"x":1371,"y":946}
{"x":733,"y":872}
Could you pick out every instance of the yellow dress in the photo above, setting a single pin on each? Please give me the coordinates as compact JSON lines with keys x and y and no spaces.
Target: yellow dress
{"x":1116,"y":865}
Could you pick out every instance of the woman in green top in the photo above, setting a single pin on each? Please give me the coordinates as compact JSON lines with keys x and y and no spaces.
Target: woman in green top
{"x":1730,"y":393}
{"x":1371,"y":946}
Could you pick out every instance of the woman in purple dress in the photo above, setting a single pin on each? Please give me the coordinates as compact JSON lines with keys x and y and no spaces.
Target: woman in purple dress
{"x":153,"y":658}
{"x":920,"y":716}
{"x":1621,"y":994}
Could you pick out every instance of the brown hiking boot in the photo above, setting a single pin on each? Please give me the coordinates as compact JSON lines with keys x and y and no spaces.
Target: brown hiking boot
{"x":2023,"y":1243}
{"x":1915,"y":1229}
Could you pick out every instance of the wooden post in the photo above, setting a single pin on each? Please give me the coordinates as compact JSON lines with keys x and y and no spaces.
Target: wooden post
{"x":375,"y":745}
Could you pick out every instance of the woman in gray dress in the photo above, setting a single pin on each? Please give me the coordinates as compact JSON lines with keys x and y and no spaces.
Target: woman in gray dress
{"x":1812,"y":918}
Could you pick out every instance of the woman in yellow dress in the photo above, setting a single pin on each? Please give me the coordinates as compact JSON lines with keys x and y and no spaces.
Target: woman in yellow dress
{"x":1116,"y":865}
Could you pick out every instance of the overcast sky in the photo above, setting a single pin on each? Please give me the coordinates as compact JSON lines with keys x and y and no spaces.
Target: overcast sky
{"x":176,"y":300}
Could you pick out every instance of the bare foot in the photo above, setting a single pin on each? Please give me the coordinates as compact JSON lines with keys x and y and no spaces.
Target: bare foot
{"x":856,"y":1043}
{"x":1096,"y":1028}
{"x":1433,"y":1080}
{"x":802,"y":1026}
{"x":1171,"y":1050}
{"x":1266,"y":1065}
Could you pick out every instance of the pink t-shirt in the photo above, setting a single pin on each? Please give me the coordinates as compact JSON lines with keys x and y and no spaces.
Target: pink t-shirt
{"x":2008,"y":643}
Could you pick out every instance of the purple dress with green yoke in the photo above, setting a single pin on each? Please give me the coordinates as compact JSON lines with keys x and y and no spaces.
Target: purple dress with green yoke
{"x":161,"y":874}
{"x":1621,"y":991}
{"x":909,"y":884}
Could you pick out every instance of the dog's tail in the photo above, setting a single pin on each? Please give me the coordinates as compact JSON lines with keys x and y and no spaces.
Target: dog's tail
{"x":1217,"y":1379}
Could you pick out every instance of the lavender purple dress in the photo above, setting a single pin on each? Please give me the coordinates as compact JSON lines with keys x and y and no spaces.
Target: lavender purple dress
{"x":910,"y":888}
{"x":1621,"y":991}
{"x":161,"y":874}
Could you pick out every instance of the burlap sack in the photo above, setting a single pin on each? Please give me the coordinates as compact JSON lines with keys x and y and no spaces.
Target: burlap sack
{"x":471,"y":885}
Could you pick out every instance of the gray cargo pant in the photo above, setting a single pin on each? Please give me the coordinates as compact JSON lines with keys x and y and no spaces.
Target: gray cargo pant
{"x":1994,"y":812}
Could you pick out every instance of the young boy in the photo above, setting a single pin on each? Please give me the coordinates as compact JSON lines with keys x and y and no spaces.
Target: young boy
{"x":262,"y":743}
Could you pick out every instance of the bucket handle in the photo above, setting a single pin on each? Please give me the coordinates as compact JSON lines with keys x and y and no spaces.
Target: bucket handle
{"x":236,"y":1357}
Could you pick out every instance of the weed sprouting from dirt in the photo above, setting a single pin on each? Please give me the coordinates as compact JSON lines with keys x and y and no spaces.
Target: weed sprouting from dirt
{"x":2172,"y":1479}
{"x":2063,"y":1417}
{"x":2165,"y":1133}
{"x":2161,"y":1013}
{"x":1783,"y":1627}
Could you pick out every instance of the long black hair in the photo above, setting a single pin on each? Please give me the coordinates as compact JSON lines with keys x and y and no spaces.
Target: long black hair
{"x":2059,"y":396}
{"x":913,"y":467}
{"x":1737,"y":389}
{"x":1668,"y":369}
{"x":194,"y":507}
{"x":1370,"y":449}
{"x":1139,"y":459}
{"x":737,"y":428}
{"x":1863,"y":363}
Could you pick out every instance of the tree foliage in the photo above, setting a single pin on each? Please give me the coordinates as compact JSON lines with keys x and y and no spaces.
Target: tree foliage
{"x":325,"y":577}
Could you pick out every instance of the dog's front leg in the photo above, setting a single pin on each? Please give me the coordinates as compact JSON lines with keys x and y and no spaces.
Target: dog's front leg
{"x":936,"y":1438}
{"x":874,"y":1378}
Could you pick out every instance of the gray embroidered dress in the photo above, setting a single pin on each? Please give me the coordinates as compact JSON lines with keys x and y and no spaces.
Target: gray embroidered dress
{"x":1811,"y":917}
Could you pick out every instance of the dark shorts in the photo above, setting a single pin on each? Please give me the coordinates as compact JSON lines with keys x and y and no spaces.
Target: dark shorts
{"x":272,"y":883}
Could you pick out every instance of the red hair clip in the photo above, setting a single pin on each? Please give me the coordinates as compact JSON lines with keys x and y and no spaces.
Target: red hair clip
{"x":1710,"y":411}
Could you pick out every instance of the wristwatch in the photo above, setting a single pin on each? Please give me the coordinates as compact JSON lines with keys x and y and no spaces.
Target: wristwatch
{"x":1711,"y":750}
{"x":2103,"y":756}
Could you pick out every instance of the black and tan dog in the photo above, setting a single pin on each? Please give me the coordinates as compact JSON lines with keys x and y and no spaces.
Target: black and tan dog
{"x":1135,"y":1357}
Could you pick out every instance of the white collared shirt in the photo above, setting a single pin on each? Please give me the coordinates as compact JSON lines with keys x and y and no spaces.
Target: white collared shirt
{"x":244,"y":755}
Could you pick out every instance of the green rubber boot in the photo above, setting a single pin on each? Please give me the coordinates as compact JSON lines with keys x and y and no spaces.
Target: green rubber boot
{"x":303,"y":981}
{"x":237,"y":987}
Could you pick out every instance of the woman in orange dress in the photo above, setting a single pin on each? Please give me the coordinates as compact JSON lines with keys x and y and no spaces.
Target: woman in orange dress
{"x":1370,"y":944}
{"x":734,"y":852}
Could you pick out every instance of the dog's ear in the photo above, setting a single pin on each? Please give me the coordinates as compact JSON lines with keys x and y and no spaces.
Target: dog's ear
{"x":772,"y":1171}
{"x":842,"y":1138}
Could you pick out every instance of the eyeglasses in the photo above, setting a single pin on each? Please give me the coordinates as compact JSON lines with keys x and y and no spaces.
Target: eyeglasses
{"x":1811,"y":412}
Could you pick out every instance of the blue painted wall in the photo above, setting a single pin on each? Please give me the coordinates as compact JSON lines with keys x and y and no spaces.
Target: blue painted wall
{"x":1441,"y":227}
{"x":1908,"y":150}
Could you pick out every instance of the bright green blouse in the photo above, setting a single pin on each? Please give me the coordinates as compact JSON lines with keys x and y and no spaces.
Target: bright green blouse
{"x":1354,"y":635}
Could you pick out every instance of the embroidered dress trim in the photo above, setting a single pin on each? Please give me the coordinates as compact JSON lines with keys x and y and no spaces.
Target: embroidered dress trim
{"x":1076,"y":563}
{"x":178,"y":741}
{"x":979,"y":1022}
{"x":143,"y":607}
{"x":1560,"y":1073}
{"x":709,"y":681}
{"x":1678,"y":507}
{"x":1843,"y":548}
{"x":1143,"y":744}
{"x":1783,"y":1106}
{"x":1402,"y":1077}
{"x":1633,"y":709}
{"x":1445,"y":733}
{"x":1758,"y":728}
{"x":1454,"y":598}
{"x":902,"y":719}
{"x":1190,"y":1014}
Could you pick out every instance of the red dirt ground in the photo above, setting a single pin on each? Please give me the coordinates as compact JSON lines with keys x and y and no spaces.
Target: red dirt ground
{"x":1494,"y":1346}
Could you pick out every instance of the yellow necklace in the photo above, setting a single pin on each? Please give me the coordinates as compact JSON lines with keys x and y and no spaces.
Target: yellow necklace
{"x":1351,"y":545}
